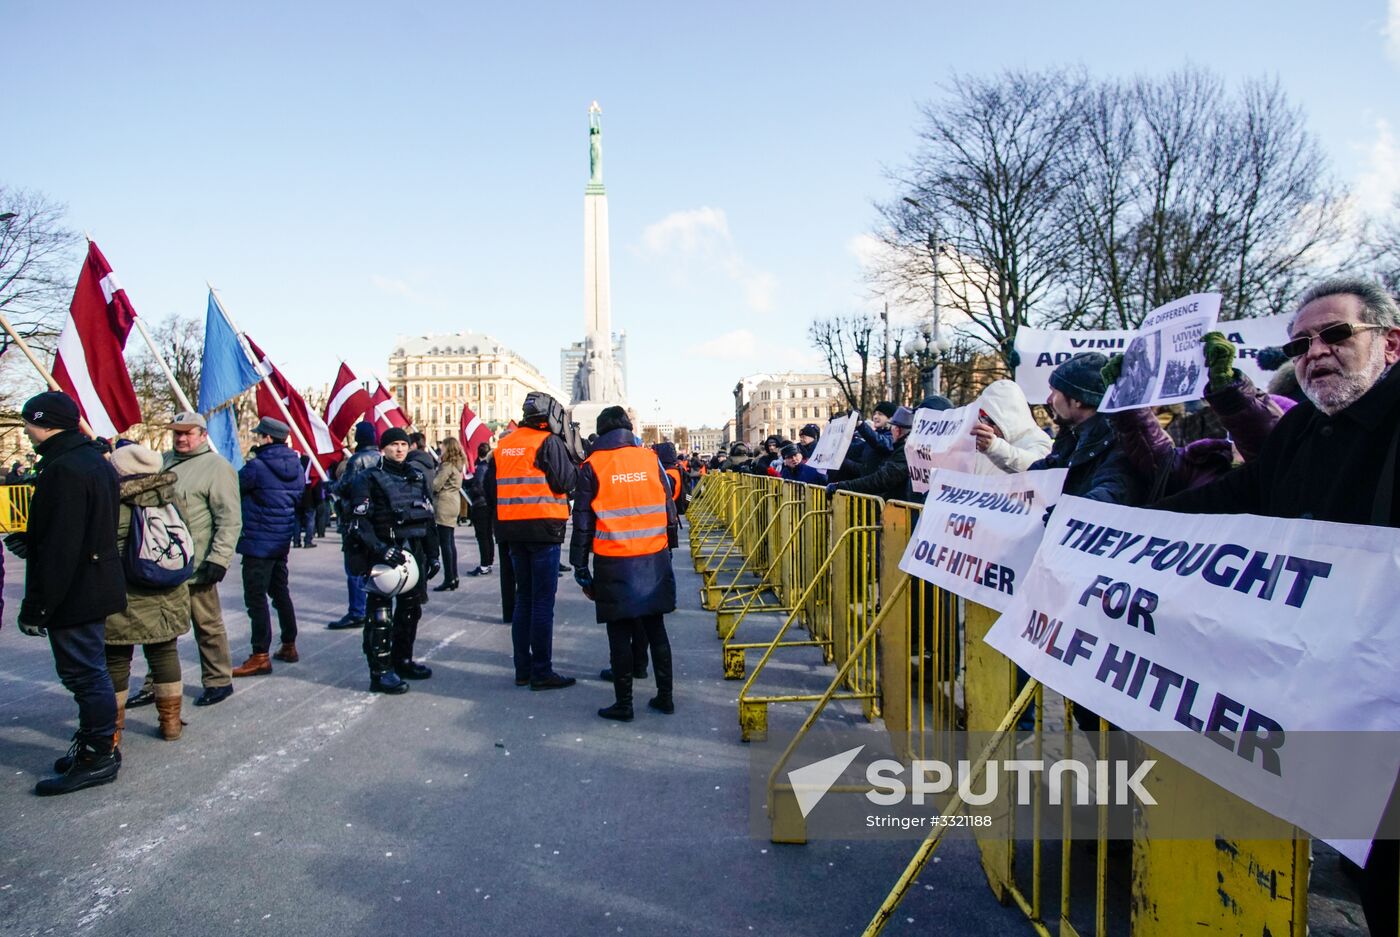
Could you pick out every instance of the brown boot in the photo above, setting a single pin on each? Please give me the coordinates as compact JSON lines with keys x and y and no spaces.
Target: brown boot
{"x":287,"y":652}
{"x":256,"y":665}
{"x":168,"y":702}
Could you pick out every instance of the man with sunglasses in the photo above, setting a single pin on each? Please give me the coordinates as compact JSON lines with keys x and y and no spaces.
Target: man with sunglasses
{"x":1333,"y":458}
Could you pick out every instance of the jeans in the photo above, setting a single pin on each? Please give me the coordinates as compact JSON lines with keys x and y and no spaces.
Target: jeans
{"x":447,"y":547}
{"x":265,"y":576}
{"x":306,"y":526}
{"x":80,"y":657}
{"x":355,"y":585}
{"x":536,"y":567}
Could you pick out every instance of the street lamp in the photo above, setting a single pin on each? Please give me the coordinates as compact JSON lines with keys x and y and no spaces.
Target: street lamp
{"x":933,"y":381}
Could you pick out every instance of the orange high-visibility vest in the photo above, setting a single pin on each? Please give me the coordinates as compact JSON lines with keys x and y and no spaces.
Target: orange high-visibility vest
{"x":675,"y":474}
{"x":522,"y":493}
{"x":704,"y":469}
{"x":630,"y":504}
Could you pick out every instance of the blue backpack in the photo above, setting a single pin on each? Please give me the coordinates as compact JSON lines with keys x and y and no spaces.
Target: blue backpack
{"x":159,"y":549}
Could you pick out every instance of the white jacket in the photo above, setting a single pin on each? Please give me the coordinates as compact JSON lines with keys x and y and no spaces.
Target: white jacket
{"x":1024,"y":441}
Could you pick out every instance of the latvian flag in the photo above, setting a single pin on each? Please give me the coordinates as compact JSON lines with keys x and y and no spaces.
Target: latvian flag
{"x":348,"y":400}
{"x":89,"y":365}
{"x":472,"y":433}
{"x":313,"y":428}
{"x":384,"y":411}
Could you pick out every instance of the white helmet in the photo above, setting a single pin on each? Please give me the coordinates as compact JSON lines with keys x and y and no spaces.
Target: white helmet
{"x":394,"y":580}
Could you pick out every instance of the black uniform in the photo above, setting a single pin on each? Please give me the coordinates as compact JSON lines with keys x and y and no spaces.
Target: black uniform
{"x":390,"y":510}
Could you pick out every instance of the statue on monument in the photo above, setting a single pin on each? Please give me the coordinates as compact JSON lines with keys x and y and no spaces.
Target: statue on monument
{"x":595,"y":145}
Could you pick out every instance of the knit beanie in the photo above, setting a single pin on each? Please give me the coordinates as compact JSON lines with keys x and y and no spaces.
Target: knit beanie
{"x":1079,"y":378}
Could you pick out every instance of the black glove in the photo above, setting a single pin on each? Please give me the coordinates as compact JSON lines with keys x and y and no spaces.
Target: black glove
{"x":33,"y":630}
{"x":394,"y":556}
{"x":584,"y":579}
{"x":210,"y":572}
{"x":17,"y":545}
{"x":434,"y":568}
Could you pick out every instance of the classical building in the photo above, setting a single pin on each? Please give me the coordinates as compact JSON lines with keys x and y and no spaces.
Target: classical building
{"x":767,"y":404}
{"x":434,"y":375}
{"x":707,"y":439}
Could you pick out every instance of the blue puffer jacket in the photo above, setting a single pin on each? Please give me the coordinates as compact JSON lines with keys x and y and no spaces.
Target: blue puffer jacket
{"x":270,"y":483}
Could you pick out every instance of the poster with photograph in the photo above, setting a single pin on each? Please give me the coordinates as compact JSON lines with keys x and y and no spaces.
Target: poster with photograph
{"x":1163,"y":363}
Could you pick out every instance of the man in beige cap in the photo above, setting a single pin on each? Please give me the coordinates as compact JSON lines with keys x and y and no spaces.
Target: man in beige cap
{"x":208,"y":485}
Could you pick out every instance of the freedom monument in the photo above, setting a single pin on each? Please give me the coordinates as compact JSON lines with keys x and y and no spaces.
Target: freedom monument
{"x":598,"y":383}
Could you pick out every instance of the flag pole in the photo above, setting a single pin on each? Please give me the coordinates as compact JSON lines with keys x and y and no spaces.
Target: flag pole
{"x":267,"y":382}
{"x":43,"y":371}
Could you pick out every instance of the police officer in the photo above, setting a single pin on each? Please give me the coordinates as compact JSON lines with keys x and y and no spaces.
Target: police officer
{"x":625,"y":516}
{"x":365,"y":457}
{"x":391,"y":518}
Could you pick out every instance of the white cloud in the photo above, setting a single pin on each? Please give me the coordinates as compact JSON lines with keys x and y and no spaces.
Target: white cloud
{"x":701,"y":236}
{"x":1391,"y":31}
{"x":1379,"y":182}
{"x":394,"y":287}
{"x":731,"y":346}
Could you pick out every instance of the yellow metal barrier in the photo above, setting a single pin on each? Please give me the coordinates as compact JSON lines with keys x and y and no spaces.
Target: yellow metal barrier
{"x":14,"y":508}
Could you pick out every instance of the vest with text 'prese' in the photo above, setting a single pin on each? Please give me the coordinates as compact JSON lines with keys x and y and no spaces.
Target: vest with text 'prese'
{"x":630,"y":504}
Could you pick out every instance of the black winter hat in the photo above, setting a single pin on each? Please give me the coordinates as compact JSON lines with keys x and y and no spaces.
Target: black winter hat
{"x":812,"y":430}
{"x":612,"y":418}
{"x":886,"y":407}
{"x":392,"y":435}
{"x":789,"y":451}
{"x":1080,"y":378}
{"x":666,"y":452}
{"x":53,"y":409}
{"x":934,"y":402}
{"x":366,"y":434}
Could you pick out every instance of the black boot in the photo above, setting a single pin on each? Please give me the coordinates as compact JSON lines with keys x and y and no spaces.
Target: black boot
{"x":389,"y":683}
{"x":607,"y":675}
{"x":412,"y":670}
{"x":622,"y":709}
{"x":93,"y":763}
{"x":661,"y":664}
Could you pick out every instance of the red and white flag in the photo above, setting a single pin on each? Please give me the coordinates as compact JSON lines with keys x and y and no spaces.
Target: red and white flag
{"x":384,"y":410}
{"x":308,"y":421}
{"x":89,"y":365}
{"x":472,"y":433}
{"x":348,"y":400}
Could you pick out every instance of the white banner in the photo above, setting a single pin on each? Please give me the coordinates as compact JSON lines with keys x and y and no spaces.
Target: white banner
{"x":830,"y":450}
{"x":1163,"y":362}
{"x":940,"y":439}
{"x":977,"y":534}
{"x":1227,"y":636}
{"x":1249,"y":336}
{"x":1044,"y":350}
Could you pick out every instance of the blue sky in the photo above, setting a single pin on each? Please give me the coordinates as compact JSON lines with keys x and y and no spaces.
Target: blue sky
{"x":347,"y":172}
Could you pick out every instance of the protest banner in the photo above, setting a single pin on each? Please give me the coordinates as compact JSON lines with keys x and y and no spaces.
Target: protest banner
{"x":1250,"y":337}
{"x":830,"y":450}
{"x":1163,"y":363}
{"x":940,"y":439}
{"x":1246,"y":645}
{"x":977,"y":534}
{"x":1043,"y":350}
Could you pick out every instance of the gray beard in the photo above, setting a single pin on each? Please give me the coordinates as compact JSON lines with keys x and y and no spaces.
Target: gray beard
{"x":1353,"y":387}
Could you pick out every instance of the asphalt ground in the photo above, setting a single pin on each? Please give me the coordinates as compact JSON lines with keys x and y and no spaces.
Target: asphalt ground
{"x":306,"y":805}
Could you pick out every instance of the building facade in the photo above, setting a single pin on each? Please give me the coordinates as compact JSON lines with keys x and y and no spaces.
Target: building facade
{"x":781,"y":404}
{"x":432,"y":376}
{"x":707,"y":440}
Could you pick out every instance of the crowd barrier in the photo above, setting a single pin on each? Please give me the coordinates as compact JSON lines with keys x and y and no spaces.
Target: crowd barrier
{"x":913,"y":656}
{"x":14,"y":508}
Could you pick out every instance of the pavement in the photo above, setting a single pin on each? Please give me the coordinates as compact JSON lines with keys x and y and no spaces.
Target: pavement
{"x":305,"y":804}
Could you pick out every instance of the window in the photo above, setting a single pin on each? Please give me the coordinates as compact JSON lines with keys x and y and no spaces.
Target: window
{"x":459,"y":370}
{"x":417,"y":370}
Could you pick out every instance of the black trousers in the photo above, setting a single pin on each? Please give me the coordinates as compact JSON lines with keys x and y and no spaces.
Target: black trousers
{"x":507,"y":576}
{"x":391,"y":629}
{"x":80,"y":657}
{"x":265,"y":576}
{"x":447,"y":548}
{"x":621,"y":634}
{"x":485,"y":541}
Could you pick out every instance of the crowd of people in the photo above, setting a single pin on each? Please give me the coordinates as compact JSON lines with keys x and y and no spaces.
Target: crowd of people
{"x":126,"y":547}
{"x":104,"y":574}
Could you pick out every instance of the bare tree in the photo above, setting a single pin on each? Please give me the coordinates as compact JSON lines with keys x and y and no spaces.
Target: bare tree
{"x":987,"y":178}
{"x":1383,"y":249}
{"x":38,"y":264}
{"x":843,"y":340}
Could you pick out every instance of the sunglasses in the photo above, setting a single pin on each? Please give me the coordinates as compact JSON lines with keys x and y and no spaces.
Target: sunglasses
{"x":1332,"y":335}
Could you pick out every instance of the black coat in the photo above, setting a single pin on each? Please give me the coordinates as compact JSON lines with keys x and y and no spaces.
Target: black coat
{"x":1098,"y":467}
{"x":1327,"y":468}
{"x":73,"y":573}
{"x":623,"y":586}
{"x":889,"y":481}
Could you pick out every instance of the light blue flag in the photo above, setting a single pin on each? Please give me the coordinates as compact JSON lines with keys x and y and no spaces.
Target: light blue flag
{"x":225,"y":373}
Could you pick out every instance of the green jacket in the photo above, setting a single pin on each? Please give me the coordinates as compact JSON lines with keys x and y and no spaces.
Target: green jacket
{"x":208,"y":486}
{"x":151,"y":615}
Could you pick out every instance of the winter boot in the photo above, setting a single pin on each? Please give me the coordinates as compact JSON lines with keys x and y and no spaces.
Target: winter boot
{"x":61,"y":765}
{"x":169,"y":699}
{"x":622,"y":709}
{"x":617,"y":711}
{"x":94,"y":763}
{"x":389,"y":683}
{"x":287,"y":652}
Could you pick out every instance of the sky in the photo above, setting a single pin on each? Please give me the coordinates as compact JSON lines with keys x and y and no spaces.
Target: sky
{"x":345,"y":173}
